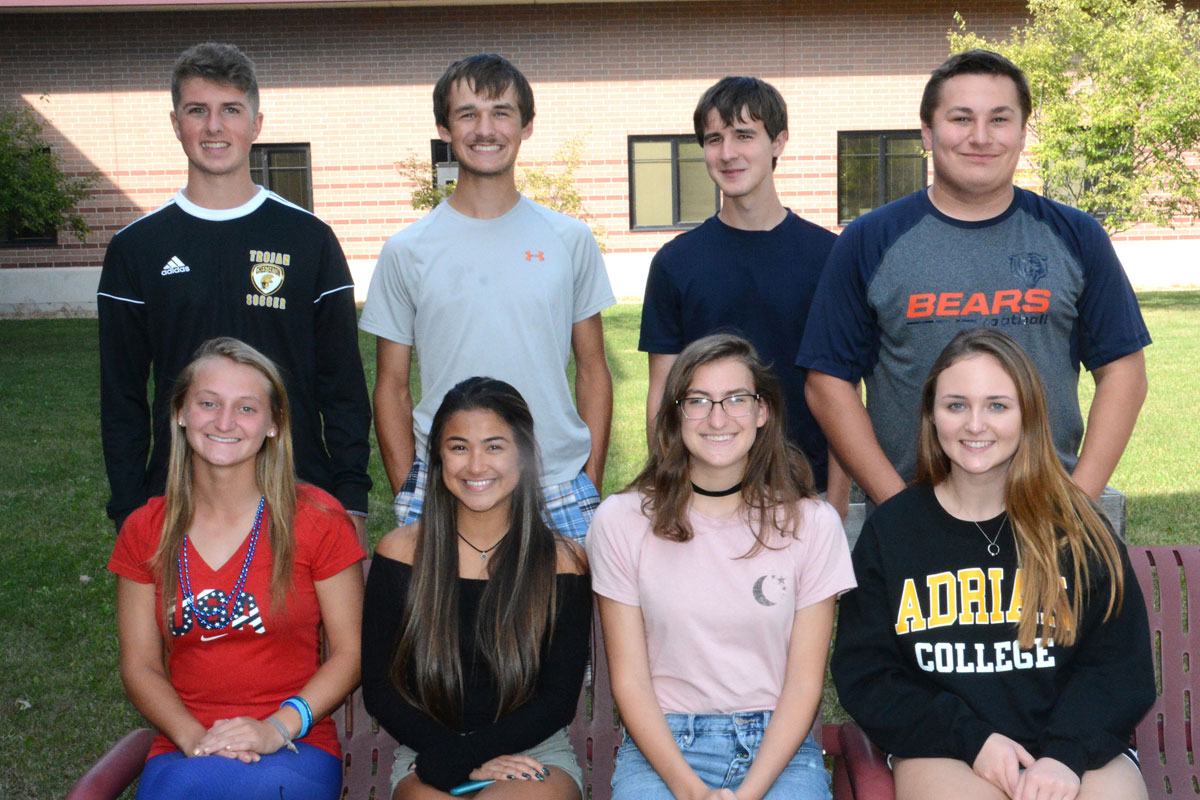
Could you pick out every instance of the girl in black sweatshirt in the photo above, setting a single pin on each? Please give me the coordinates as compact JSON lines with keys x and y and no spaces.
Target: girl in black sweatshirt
{"x":997,"y":644}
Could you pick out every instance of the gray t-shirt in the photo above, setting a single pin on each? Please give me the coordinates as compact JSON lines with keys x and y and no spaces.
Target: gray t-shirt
{"x":904,"y":279}
{"x":494,"y":297}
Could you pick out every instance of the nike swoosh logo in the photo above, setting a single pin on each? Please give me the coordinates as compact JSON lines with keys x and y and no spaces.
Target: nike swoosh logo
{"x":204,"y":638}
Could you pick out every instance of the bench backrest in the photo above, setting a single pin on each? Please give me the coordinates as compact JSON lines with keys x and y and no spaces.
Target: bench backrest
{"x":1170,"y":581}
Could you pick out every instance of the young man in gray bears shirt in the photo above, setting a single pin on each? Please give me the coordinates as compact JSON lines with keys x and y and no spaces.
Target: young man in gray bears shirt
{"x":972,"y":250}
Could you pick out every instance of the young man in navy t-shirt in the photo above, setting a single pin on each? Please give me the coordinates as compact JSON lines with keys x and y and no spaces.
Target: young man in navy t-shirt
{"x":750,"y":269}
{"x":972,"y":250}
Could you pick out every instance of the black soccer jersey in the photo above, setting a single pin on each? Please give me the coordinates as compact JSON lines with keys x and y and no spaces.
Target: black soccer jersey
{"x":268,"y":273}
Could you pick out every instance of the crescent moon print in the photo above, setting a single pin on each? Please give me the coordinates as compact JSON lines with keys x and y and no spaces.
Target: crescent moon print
{"x":770,"y":590}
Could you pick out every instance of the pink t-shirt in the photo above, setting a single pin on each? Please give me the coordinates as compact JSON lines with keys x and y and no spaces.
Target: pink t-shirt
{"x":717,"y":625}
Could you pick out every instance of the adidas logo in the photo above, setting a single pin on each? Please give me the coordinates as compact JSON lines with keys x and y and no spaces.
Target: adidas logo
{"x":175,"y":266}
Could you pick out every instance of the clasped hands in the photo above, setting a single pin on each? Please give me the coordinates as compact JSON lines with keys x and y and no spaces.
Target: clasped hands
{"x":1000,"y":762}
{"x":244,"y":738}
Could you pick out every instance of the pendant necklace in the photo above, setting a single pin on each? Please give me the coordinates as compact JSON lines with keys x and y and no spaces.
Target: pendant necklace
{"x":483,"y":554}
{"x":992,"y":548}
{"x":737,"y":487}
{"x":216,"y":618}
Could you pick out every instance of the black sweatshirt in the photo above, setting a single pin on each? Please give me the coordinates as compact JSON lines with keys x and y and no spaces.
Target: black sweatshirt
{"x":932,"y":672}
{"x":445,"y":757}
{"x":268,"y":273}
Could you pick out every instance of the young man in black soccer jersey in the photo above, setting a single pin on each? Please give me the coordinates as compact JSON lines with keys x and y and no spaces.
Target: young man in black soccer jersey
{"x":225,"y":257}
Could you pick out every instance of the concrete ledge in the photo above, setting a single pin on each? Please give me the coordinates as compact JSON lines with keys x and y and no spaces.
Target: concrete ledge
{"x":49,"y":292}
{"x":361,"y":270}
{"x":71,"y":291}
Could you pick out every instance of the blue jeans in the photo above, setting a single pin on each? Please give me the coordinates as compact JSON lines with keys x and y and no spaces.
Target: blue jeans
{"x":720,"y":749}
{"x":310,"y":774}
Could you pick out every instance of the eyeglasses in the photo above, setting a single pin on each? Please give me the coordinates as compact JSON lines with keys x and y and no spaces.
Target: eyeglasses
{"x":736,"y":405}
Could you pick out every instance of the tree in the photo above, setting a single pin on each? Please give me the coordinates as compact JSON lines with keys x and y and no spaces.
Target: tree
{"x":542,"y":183}
{"x":35,"y":193}
{"x":1116,"y":104}
{"x":419,"y":174}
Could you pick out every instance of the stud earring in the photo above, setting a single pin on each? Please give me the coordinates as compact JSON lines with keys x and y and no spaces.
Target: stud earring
{"x":181,"y":424}
{"x":271,"y":434}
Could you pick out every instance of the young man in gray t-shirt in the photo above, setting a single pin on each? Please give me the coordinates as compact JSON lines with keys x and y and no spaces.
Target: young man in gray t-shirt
{"x":972,"y":250}
{"x":491,"y":283}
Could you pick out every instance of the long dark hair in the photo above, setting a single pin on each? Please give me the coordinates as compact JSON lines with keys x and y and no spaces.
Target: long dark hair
{"x":1055,"y":524}
{"x":777,"y":474}
{"x":517,"y":610}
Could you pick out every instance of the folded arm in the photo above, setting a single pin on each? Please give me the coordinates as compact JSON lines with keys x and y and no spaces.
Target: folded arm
{"x":901,"y":711}
{"x":340,"y":599}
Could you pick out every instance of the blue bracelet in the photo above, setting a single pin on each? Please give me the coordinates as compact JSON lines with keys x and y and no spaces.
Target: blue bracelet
{"x":304,"y":710}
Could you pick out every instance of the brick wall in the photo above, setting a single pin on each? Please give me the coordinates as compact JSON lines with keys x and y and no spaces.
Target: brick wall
{"x":355,"y":84}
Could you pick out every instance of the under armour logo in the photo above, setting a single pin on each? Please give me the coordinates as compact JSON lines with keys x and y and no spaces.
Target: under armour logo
{"x":530,"y":255}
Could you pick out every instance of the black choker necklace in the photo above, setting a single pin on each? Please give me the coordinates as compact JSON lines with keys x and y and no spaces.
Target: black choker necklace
{"x":737,"y":487}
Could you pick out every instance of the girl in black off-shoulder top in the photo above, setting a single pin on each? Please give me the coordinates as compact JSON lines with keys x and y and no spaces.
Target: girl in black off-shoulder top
{"x":477,"y":618}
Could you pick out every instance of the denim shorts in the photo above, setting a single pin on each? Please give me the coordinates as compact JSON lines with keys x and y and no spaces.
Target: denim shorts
{"x":555,"y":751}
{"x":720,"y":749}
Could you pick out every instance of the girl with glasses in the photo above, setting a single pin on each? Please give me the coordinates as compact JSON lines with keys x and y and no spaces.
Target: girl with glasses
{"x":716,"y":573}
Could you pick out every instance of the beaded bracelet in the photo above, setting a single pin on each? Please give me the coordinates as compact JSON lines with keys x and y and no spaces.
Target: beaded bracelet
{"x":304,"y":710}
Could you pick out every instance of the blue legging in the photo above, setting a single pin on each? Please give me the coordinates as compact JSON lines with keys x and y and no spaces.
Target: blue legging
{"x":312,"y":774}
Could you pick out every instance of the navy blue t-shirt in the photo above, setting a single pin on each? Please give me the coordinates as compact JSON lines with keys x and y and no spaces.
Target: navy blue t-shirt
{"x":758,"y":284}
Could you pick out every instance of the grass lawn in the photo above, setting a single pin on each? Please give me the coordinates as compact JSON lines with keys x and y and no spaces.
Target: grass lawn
{"x":61,"y":701}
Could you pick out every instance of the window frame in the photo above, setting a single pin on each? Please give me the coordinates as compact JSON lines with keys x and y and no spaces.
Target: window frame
{"x":1069,"y":195}
{"x":284,"y":147}
{"x":19,"y":238}
{"x":882,"y":157}
{"x":438,"y":148}
{"x":16,"y":239}
{"x":675,"y":139}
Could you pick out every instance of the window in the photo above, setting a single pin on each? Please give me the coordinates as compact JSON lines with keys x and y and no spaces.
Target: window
{"x":877,"y":167}
{"x":1068,"y":181}
{"x":445,"y":163}
{"x":285,"y":170}
{"x":669,"y":187}
{"x":15,"y":234}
